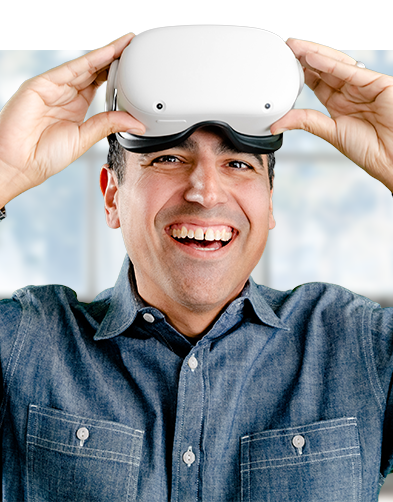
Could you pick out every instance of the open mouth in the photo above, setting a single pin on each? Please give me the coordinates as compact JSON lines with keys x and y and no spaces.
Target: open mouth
{"x":202,"y":238}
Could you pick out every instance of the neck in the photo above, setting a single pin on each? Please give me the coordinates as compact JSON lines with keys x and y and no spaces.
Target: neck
{"x":191,"y":320}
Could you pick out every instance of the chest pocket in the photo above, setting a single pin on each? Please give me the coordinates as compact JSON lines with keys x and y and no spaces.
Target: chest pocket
{"x":76,"y":458}
{"x":317,"y":462}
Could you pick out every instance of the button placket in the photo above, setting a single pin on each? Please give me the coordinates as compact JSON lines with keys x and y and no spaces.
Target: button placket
{"x":188,"y":432}
{"x":193,"y":363}
{"x":189,"y":457}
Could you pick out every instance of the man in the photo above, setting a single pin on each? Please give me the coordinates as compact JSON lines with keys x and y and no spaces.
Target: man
{"x":188,"y":381}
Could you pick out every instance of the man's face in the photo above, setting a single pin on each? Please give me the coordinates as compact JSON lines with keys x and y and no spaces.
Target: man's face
{"x":195,"y":220}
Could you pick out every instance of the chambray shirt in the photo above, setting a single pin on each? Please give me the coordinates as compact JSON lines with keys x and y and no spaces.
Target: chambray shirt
{"x":286,"y":398}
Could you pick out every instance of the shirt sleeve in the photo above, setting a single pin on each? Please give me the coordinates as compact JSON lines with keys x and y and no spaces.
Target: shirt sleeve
{"x":381,"y":360}
{"x":10,"y":318}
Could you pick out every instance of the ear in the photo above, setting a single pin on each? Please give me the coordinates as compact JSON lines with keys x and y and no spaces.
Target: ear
{"x":109,"y":189}
{"x":272,"y":221}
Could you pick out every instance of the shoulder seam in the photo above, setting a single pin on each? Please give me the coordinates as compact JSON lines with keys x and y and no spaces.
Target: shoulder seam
{"x":14,"y":357}
{"x":370,"y":359}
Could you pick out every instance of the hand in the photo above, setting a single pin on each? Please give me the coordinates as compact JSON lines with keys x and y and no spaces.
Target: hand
{"x":360,"y":103}
{"x":42,"y":128}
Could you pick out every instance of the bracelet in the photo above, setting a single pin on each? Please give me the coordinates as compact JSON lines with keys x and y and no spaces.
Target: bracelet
{"x":3,"y":213}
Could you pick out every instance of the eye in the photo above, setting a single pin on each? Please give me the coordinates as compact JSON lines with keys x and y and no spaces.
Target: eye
{"x":172,"y":159}
{"x":240,"y":165}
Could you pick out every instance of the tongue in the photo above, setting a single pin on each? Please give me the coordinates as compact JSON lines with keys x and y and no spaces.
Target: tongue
{"x":201,"y":244}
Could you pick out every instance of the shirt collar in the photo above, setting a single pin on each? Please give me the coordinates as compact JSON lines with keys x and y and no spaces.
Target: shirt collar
{"x":263,"y":301}
{"x":125,"y":303}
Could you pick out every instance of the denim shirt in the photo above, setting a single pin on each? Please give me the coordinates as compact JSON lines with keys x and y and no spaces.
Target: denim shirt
{"x":286,"y":398}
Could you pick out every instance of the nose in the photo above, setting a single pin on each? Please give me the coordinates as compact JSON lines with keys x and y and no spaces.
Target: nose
{"x":205,"y":185}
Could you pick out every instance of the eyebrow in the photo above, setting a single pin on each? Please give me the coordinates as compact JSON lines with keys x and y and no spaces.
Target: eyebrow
{"x":224,"y":147}
{"x":188,"y":144}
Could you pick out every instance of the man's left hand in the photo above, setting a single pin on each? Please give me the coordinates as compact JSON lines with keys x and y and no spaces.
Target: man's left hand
{"x":360,"y":104}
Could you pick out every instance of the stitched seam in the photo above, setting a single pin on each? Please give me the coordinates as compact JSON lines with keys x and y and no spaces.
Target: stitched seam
{"x":201,"y":420}
{"x":371,"y":367}
{"x":176,"y":490}
{"x":129,"y":484}
{"x":303,"y":455}
{"x":82,"y":454}
{"x":300,"y":430}
{"x":91,"y":424}
{"x":301,"y":463}
{"x":12,"y":365}
{"x":72,"y":446}
{"x":353,"y":480}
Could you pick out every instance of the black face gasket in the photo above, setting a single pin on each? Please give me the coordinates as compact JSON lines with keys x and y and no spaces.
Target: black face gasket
{"x":242,"y":142}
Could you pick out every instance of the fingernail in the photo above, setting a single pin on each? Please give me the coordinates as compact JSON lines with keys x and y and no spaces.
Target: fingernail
{"x":279,"y":131}
{"x":138,"y":132}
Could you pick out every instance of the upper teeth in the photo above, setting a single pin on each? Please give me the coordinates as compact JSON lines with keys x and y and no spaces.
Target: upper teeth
{"x":200,"y":235}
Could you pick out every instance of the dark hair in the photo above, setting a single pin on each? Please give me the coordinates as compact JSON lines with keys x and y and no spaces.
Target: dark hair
{"x":117,"y":160}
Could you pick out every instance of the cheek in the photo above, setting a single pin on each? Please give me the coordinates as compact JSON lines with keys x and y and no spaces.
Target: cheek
{"x":261,"y":222}
{"x":256,"y":204}
{"x":139,"y":204}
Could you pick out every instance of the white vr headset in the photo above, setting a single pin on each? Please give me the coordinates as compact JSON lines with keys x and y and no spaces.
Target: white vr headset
{"x":177,"y":79}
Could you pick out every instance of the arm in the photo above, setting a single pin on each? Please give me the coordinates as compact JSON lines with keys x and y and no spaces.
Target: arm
{"x":42,"y":128}
{"x":360,"y":104}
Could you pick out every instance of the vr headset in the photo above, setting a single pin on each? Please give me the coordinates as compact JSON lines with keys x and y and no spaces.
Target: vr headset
{"x":177,"y":79}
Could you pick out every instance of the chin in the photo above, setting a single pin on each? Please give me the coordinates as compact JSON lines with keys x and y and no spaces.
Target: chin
{"x":204,"y":295}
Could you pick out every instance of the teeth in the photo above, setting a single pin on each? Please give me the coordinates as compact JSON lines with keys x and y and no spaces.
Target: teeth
{"x":209,"y":235}
{"x":198,"y":234}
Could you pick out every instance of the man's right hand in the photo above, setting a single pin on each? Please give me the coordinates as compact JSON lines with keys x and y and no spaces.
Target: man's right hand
{"x":42,"y":128}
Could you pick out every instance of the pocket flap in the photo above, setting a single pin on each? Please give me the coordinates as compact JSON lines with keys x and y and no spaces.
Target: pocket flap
{"x":76,"y":435}
{"x":318,"y":441}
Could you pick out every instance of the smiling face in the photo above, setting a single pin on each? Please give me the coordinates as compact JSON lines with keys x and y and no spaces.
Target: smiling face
{"x":195,"y":221}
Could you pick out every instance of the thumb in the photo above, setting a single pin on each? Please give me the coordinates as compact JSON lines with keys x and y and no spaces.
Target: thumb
{"x":103,"y":124}
{"x":312,"y":121}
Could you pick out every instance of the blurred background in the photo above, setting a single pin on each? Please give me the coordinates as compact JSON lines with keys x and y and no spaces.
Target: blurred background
{"x":334,"y":222}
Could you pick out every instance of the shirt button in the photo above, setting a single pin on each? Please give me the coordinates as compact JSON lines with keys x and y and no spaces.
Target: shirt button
{"x":82,"y":433}
{"x":189,"y":457}
{"x":193,"y":363}
{"x":298,"y":441}
{"x":148,"y":317}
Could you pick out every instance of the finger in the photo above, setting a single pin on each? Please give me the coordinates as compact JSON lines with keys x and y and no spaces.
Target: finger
{"x":314,"y":79}
{"x":325,"y":85}
{"x":88,"y":77}
{"x":349,"y":73}
{"x":302,"y":47}
{"x":74,"y":72}
{"x":103,"y":124}
{"x":89,"y":91}
{"x":311,"y":121}
{"x":320,"y":86}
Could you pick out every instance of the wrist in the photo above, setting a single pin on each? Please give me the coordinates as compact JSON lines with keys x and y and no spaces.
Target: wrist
{"x":3,"y":213}
{"x":10,"y":187}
